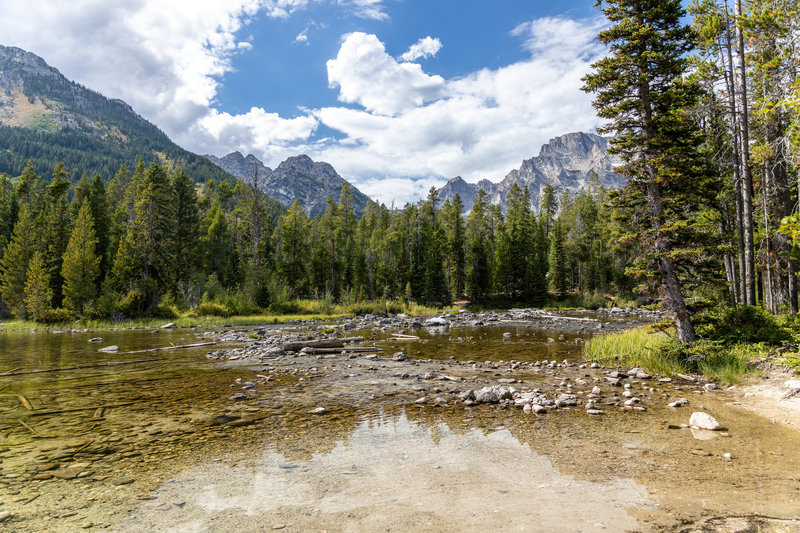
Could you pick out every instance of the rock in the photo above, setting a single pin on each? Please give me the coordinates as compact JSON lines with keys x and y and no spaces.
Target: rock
{"x":5,"y":516}
{"x":596,"y":390}
{"x":527,"y":408}
{"x":467,"y":395}
{"x":171,"y":325}
{"x":594,"y":365}
{"x":711,"y":386}
{"x":727,"y":456}
{"x":248,"y":385}
{"x":318,"y":411}
{"x":538,"y":409}
{"x":111,"y":348}
{"x":439,"y":401}
{"x":436,"y":321}
{"x":487,"y":395}
{"x":239,"y":397}
{"x":594,"y":412}
{"x":792,"y":384}
{"x":679,"y":402}
{"x":96,"y":339}
{"x":400,"y":356}
{"x":703,"y":420}
{"x":421,"y":401}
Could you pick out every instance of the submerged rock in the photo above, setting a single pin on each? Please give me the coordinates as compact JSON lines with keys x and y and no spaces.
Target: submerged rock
{"x":111,"y":348}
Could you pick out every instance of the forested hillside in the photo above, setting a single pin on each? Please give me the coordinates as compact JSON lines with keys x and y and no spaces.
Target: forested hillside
{"x":45,"y":118}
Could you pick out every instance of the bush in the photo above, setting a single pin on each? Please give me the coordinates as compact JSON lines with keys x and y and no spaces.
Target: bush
{"x":211,"y":309}
{"x":55,"y":316}
{"x":162,"y":310}
{"x":132,"y":304}
{"x":741,"y":324}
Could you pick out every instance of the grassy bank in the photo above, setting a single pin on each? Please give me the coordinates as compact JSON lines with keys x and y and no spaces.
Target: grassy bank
{"x":217,"y":315}
{"x":659,"y":353}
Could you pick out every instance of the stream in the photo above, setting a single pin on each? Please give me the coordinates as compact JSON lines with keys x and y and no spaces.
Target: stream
{"x":339,"y":443}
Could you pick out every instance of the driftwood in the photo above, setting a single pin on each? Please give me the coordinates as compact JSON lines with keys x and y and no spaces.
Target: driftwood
{"x":341,"y":349}
{"x":321,"y":343}
{"x":24,"y":401}
{"x":174,"y":347}
{"x":77,"y":409}
{"x":80,"y":367}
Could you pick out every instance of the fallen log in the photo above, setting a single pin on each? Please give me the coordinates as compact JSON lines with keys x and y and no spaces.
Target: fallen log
{"x":340,"y":350}
{"x":78,"y":409}
{"x":174,"y":347}
{"x":80,"y":367}
{"x":323,"y":343}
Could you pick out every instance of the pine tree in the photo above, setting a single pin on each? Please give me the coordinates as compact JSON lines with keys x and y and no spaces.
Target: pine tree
{"x":478,"y":253}
{"x":558,"y":259}
{"x":58,"y":228}
{"x":640,"y":87}
{"x":38,"y":294}
{"x":456,"y":253}
{"x":187,"y":222}
{"x":293,"y":250}
{"x":14,"y":265}
{"x":98,"y":203}
{"x":81,"y":264}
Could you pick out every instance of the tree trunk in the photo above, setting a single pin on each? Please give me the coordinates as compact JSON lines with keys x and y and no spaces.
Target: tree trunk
{"x":670,"y":286}
{"x":747,"y":177}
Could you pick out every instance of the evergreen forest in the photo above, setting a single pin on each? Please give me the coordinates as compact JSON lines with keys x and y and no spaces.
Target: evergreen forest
{"x":704,"y":115}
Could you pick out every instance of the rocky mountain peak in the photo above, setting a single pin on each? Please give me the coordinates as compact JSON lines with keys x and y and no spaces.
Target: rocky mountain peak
{"x":565,"y":162}
{"x":297,"y":178}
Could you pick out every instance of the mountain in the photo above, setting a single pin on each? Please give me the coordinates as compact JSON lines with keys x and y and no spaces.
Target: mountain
{"x":297,"y":178}
{"x":566,"y":162}
{"x":47,"y":118}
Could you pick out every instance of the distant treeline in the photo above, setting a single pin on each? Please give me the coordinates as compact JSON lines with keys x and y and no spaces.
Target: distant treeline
{"x":150,"y":243}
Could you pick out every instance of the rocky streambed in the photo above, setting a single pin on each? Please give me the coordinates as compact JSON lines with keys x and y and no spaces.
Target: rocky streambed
{"x":451,"y":423}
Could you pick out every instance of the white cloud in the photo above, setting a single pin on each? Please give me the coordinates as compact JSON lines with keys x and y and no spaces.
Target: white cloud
{"x":366,"y":9}
{"x":426,"y":47}
{"x":397,"y":122}
{"x":479,"y":126}
{"x":302,"y":37}
{"x":365,"y":74}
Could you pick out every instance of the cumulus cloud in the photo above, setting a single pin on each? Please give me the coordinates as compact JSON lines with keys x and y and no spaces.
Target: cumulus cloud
{"x":396,"y":122}
{"x":413,"y":124}
{"x":426,"y":47}
{"x":366,"y":75}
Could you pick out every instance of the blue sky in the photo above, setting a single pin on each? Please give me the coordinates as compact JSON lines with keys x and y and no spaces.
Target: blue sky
{"x":398,"y":95}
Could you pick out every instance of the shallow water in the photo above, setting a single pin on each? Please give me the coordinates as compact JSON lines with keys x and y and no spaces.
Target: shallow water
{"x":171,"y":451}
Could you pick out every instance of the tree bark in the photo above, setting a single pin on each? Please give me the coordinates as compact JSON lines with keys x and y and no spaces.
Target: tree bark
{"x":747,"y":177}
{"x":670,"y":286}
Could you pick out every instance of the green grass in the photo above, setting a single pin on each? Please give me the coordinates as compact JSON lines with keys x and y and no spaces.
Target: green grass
{"x":659,"y":353}
{"x":638,"y":347}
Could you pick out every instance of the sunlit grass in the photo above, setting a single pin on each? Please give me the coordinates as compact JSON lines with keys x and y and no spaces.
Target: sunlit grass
{"x":659,"y":353}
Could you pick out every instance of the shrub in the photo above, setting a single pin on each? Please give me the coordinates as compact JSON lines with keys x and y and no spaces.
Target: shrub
{"x":162,"y":310}
{"x":132,"y":303}
{"x":211,"y":309}
{"x":55,"y":316}
{"x":741,"y":324}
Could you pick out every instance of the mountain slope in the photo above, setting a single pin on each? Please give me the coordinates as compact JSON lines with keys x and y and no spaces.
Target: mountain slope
{"x":47,"y":118}
{"x":566,"y":162}
{"x":297,"y":178}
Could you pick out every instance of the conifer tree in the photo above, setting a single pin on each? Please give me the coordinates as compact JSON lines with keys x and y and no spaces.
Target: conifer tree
{"x":98,"y":203}
{"x":456,"y":259}
{"x":14,"y":265}
{"x":558,"y":259}
{"x":478,"y":253}
{"x":293,"y":249}
{"x":187,"y":222}
{"x":640,"y":87}
{"x":38,"y":294}
{"x":81,"y":264}
{"x":58,"y":228}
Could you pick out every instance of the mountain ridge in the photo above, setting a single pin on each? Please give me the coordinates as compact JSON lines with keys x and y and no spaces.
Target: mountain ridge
{"x":566,"y":162}
{"x":297,"y":178}
{"x":47,"y":118}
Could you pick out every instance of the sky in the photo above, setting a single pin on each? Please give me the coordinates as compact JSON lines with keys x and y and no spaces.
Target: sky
{"x":398,"y":95}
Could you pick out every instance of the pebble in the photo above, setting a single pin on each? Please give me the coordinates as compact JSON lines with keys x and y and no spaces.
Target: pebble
{"x":111,"y":348}
{"x":594,"y":412}
{"x":679,"y":402}
{"x":5,"y":515}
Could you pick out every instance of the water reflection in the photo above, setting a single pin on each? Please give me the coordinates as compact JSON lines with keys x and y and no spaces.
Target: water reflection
{"x":394,"y":473}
